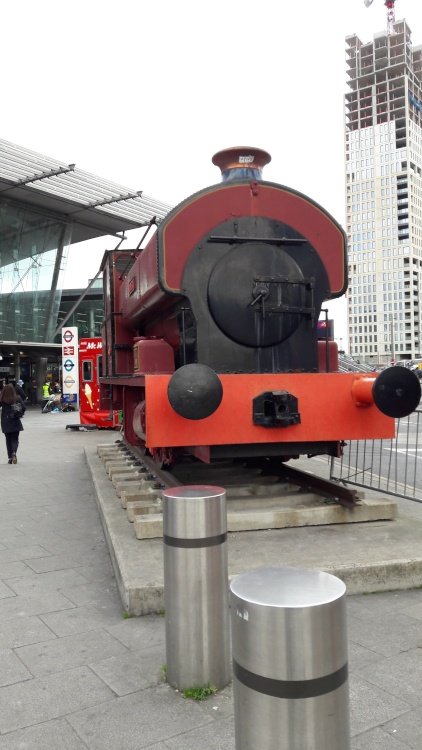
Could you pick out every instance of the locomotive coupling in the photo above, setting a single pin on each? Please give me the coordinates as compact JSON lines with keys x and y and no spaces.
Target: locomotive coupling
{"x":275,"y":409}
{"x":195,"y":391}
{"x":395,"y":391}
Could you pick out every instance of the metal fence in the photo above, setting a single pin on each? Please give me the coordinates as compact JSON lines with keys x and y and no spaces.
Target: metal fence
{"x":393,"y":467}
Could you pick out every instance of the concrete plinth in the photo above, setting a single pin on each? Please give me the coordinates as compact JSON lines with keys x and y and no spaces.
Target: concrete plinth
{"x":375,"y":556}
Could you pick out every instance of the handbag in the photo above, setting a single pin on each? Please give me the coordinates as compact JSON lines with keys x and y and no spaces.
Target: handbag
{"x":18,"y":409}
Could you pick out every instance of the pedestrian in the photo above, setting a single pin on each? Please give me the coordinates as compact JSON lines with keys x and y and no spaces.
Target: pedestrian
{"x":12,"y":409}
{"x":34,"y":394}
{"x":46,"y":393}
{"x":19,"y":389}
{"x":56,"y":387}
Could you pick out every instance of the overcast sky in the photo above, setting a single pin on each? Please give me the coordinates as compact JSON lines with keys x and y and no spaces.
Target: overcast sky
{"x":144,"y":93}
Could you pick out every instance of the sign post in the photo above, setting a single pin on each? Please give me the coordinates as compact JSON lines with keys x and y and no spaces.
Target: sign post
{"x":70,"y":365}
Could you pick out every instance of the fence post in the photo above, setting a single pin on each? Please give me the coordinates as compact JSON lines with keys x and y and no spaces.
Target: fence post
{"x":196,"y":586}
{"x":289,"y":660}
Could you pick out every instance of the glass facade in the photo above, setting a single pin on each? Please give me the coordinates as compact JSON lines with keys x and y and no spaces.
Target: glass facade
{"x":45,"y":207}
{"x":33,"y":253}
{"x":89,"y":314}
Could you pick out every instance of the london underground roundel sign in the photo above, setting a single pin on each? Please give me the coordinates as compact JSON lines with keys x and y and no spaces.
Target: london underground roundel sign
{"x":68,"y":336}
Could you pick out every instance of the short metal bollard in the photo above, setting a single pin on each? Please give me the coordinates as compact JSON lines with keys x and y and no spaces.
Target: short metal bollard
{"x":289,"y":648}
{"x":196,"y":586}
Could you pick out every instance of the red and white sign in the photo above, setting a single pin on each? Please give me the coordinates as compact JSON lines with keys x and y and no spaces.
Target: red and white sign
{"x":88,"y":345}
{"x":68,"y":351}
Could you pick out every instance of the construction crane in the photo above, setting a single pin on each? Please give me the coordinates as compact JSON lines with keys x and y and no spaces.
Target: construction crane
{"x":391,"y":17}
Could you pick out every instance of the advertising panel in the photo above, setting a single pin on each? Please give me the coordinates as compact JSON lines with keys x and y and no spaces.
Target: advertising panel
{"x":70,"y":365}
{"x":90,"y":351}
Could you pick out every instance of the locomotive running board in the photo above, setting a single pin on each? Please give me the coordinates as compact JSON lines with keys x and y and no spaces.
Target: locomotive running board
{"x":330,"y":490}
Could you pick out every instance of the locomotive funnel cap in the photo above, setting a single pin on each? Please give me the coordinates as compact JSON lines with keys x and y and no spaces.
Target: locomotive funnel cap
{"x":241,"y":163}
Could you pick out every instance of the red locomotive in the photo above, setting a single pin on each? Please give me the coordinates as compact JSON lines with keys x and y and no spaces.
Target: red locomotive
{"x":211,"y":343}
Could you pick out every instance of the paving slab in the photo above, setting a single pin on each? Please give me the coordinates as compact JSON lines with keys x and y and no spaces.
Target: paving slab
{"x":21,"y":631}
{"x":25,"y":606}
{"x":136,"y":721}
{"x":11,"y":668}
{"x":50,"y":735}
{"x":126,"y":674}
{"x":213,"y":736}
{"x":371,"y":705}
{"x":49,"y":697}
{"x":406,"y":729}
{"x":401,"y":675}
{"x":378,"y":739}
{"x":69,"y":652}
{"x":82,"y":619}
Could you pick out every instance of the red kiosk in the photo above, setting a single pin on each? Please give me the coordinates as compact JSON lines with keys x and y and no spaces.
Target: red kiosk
{"x":90,"y":371}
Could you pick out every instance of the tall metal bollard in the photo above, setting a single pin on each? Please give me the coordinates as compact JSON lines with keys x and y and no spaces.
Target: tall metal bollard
{"x":289,"y":660}
{"x":196,"y":586}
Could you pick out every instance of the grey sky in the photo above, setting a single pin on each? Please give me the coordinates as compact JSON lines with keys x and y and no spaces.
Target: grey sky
{"x":144,"y":93}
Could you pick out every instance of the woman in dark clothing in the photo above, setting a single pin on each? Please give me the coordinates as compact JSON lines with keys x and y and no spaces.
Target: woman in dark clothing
{"x":11,"y":424}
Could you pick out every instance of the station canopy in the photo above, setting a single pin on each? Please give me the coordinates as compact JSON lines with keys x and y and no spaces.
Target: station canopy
{"x":94,"y":206}
{"x":47,"y":205}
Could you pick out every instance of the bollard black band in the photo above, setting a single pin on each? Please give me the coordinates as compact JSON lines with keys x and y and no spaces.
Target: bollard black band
{"x":291,"y":688}
{"x":207,"y":541}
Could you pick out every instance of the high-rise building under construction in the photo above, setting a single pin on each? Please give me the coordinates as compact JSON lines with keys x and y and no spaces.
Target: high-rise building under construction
{"x":383,"y":151}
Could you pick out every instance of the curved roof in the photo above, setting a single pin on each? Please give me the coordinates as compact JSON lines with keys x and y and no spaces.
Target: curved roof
{"x":93,"y":205}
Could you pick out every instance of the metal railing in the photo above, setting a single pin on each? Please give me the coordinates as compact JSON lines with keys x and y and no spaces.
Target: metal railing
{"x":393,"y":467}
{"x":346,"y":363}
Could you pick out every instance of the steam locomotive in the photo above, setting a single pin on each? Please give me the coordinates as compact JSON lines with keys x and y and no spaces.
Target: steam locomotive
{"x":211,"y":342}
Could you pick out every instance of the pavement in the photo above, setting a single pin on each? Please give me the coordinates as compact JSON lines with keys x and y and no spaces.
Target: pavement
{"x":77,"y":673}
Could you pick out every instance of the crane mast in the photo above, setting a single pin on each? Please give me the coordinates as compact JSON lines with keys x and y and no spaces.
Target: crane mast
{"x":391,"y":16}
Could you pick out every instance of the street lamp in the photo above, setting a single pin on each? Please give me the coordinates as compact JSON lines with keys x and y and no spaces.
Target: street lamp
{"x":392,"y":340}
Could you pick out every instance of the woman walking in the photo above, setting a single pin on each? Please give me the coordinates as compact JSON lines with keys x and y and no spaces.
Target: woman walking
{"x":12,"y":409}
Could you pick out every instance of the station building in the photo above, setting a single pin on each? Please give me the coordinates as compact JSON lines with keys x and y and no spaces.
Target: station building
{"x":45,"y":207}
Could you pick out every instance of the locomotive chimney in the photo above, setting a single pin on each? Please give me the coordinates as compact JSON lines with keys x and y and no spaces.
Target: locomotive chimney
{"x":241,"y":163}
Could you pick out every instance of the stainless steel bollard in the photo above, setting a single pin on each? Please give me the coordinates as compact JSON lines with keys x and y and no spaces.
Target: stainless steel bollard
{"x":289,"y":660}
{"x":196,"y":586}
